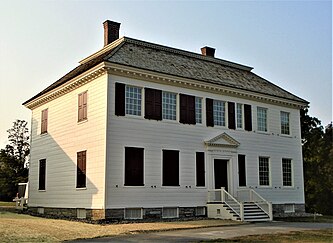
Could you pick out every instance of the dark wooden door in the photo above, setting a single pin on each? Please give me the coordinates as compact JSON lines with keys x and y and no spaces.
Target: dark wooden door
{"x":221,"y":173}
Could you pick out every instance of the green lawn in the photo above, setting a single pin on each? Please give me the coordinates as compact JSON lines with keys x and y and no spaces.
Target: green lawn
{"x":7,"y":204}
{"x":316,"y":219}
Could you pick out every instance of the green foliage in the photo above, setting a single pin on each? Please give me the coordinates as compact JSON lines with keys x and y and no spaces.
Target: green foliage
{"x":13,"y":160}
{"x":318,"y":164}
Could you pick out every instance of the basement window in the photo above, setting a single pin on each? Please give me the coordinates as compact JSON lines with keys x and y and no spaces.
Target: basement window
{"x":133,"y":213}
{"x":289,"y":208}
{"x":40,"y":210}
{"x":81,"y":213}
{"x":168,"y":213}
{"x":200,"y":211}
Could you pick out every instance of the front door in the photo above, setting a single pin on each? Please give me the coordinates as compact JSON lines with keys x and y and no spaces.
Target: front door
{"x":221,"y":173}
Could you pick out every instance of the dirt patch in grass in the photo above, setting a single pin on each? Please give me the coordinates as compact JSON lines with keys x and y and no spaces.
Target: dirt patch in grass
{"x":294,"y":237}
{"x":26,"y":228}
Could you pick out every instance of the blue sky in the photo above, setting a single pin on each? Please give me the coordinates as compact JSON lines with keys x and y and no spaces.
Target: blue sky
{"x":287,"y":42}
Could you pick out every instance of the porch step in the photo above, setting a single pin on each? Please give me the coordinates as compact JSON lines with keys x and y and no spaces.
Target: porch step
{"x":253,"y":213}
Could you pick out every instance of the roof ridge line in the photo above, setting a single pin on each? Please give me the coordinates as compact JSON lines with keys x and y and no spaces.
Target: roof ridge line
{"x":188,"y":53}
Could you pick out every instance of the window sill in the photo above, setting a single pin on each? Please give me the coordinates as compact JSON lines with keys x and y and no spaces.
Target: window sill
{"x":81,"y":188}
{"x":286,"y":135}
{"x":44,"y":190}
{"x":127,"y":186}
{"x":82,"y":121}
{"x":263,"y":132}
{"x":44,"y":134}
{"x":170,"y":187}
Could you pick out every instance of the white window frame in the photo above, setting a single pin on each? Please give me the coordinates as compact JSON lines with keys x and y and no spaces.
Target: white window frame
{"x":165,"y":115}
{"x":170,"y":217}
{"x":291,"y":172}
{"x":219,"y":119}
{"x":198,"y":110}
{"x":262,"y":119}
{"x":269,"y":171}
{"x":285,"y":127}
{"x":126,"y":210}
{"x":138,"y":103}
{"x":242,"y":114}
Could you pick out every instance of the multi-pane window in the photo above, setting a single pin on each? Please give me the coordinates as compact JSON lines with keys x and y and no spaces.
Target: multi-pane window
{"x":219,"y":112}
{"x":264,"y":171}
{"x":133,"y":166}
{"x":170,"y":167}
{"x":82,"y":106}
{"x":198,"y":110}
{"x":262,"y":119}
{"x":42,"y":173}
{"x":285,"y":123}
{"x":133,"y":100}
{"x":287,"y":172}
{"x":239,"y":115}
{"x":169,"y":105}
{"x":44,"y":121}
{"x":81,"y":169}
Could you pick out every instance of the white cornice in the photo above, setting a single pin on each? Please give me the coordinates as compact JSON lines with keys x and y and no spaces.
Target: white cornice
{"x":231,"y":142}
{"x":69,"y":86}
{"x":151,"y":76}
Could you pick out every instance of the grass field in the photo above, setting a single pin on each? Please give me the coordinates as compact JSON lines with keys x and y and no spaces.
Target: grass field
{"x":25,"y":228}
{"x":7,"y":204}
{"x":316,"y":219}
{"x":293,"y":237}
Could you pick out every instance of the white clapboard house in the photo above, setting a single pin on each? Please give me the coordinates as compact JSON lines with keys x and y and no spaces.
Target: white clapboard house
{"x":140,"y":130}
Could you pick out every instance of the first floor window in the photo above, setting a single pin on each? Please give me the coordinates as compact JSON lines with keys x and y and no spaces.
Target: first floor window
{"x":284,"y":123}
{"x":219,"y":112}
{"x":44,"y":121}
{"x":239,"y":116}
{"x":262,"y":119}
{"x":170,"y":168}
{"x":198,"y":110}
{"x":169,"y":105}
{"x":133,"y":100}
{"x":264,"y":171}
{"x":42,"y":173}
{"x":82,"y":106}
{"x":200,"y":168}
{"x":81,"y":169}
{"x":134,"y":166}
{"x":287,"y":172}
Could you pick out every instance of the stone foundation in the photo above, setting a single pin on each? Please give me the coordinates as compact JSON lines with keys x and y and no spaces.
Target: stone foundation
{"x":112,"y":214}
{"x":281,"y":210}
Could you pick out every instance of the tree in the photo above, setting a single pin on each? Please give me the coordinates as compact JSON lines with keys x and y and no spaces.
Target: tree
{"x":14,"y":160}
{"x":318,"y":164}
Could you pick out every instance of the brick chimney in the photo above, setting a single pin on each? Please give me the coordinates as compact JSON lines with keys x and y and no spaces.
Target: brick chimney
{"x":208,"y":51}
{"x":111,"y":31}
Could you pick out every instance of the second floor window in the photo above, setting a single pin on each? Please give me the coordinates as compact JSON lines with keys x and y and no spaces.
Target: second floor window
{"x":133,"y":100}
{"x":262,"y":119}
{"x":219,"y":112}
{"x":169,"y":106}
{"x":285,"y":123}
{"x":239,"y":115}
{"x":44,"y":121}
{"x":82,"y":106}
{"x":198,"y":110}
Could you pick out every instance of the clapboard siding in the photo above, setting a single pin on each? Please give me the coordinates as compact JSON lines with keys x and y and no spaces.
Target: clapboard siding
{"x":60,"y":145}
{"x":154,"y":136}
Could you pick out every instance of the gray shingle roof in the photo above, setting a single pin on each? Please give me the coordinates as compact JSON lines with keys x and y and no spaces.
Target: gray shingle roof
{"x":167,"y":60}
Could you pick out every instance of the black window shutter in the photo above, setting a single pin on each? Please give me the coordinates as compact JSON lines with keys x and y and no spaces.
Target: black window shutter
{"x":187,"y":109}
{"x":134,"y":166}
{"x":200,"y":168}
{"x":248,"y":117}
{"x":241,"y":170}
{"x":209,"y":113}
{"x":120,"y":99}
{"x":170,"y":168}
{"x":42,"y":170}
{"x":231,"y":115}
{"x":153,"y":104}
